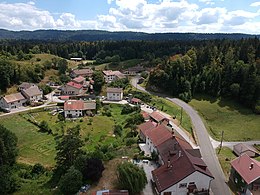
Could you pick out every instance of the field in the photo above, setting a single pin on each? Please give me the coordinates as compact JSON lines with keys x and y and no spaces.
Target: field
{"x":237,"y":122}
{"x":33,"y":146}
{"x":173,"y":110}
{"x":36,"y":147}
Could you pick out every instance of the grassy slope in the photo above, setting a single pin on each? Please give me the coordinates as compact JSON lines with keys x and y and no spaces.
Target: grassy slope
{"x":173,"y":110}
{"x":33,"y":146}
{"x":237,"y":122}
{"x":122,"y":65}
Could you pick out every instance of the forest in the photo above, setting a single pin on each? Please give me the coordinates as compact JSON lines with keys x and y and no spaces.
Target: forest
{"x":218,"y":67}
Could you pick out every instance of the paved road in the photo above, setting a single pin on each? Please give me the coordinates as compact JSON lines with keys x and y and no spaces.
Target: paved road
{"x":218,"y":185}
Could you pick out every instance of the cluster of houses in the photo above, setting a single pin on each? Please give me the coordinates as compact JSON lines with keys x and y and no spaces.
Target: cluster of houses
{"x":181,"y":169}
{"x":29,"y":93}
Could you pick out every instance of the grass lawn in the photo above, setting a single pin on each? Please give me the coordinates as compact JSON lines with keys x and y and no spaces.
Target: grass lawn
{"x":225,"y":156}
{"x":33,"y":146}
{"x":173,"y":110}
{"x":237,"y":122}
{"x":36,"y":147}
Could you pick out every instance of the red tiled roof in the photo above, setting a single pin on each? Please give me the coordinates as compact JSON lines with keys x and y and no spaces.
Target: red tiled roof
{"x":159,"y":134}
{"x":182,"y":164}
{"x":74,"y":105}
{"x":242,"y":166}
{"x":171,"y":146}
{"x":64,"y":97}
{"x":136,"y":100}
{"x":145,"y":115}
{"x":144,"y":127}
{"x":79,"y":79}
{"x":75,"y":85}
{"x":157,"y":116}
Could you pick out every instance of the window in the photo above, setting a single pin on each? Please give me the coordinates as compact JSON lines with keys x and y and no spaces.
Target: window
{"x":183,"y":185}
{"x":191,"y":183}
{"x":117,"y":94}
{"x":167,"y":193}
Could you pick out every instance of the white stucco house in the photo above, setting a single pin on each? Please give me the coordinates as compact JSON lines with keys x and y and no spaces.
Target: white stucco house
{"x":77,"y":108}
{"x":110,"y":75}
{"x":114,"y":94}
{"x":33,"y":94}
{"x":72,"y":88}
{"x":15,"y":100}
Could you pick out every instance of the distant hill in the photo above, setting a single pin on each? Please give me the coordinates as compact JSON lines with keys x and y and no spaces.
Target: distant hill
{"x":98,"y":35}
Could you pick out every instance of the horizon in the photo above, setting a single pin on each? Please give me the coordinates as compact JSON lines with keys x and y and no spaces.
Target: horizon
{"x":110,"y":31}
{"x":147,"y":16}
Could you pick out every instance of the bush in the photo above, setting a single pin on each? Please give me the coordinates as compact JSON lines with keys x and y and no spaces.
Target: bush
{"x":38,"y":169}
{"x":118,"y":130}
{"x":71,"y":182}
{"x":127,"y":109}
{"x":130,"y":141}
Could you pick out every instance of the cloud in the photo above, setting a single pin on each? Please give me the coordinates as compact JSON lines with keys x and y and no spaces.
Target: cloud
{"x":26,"y":16}
{"x":255,"y":4}
{"x":136,"y":15}
{"x":208,"y":2}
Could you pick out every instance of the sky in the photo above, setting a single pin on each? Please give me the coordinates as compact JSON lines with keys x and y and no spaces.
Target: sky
{"x":200,"y":16}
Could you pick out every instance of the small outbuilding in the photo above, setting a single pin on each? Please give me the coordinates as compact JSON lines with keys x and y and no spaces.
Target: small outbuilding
{"x":243,"y":148}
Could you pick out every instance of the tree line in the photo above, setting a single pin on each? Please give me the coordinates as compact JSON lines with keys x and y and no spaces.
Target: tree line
{"x":229,"y":69}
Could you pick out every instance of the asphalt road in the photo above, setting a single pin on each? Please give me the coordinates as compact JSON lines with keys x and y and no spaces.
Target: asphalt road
{"x":218,"y":185}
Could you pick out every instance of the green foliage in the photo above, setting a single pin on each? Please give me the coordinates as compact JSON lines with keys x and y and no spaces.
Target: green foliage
{"x":62,"y":66}
{"x":127,"y":109}
{"x":8,"y":182}
{"x":38,"y":169}
{"x":119,"y":83}
{"x":99,"y":80}
{"x":6,"y":74}
{"x":64,"y":78}
{"x":68,"y":148}
{"x":71,"y":182}
{"x":118,"y":130}
{"x":135,"y":119}
{"x":44,"y":127}
{"x":130,"y":141}
{"x":46,"y":89}
{"x":131,"y":177}
{"x":8,"y":147}
{"x":91,"y":168}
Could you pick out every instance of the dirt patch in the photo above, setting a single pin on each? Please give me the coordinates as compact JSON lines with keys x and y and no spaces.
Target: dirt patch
{"x":109,"y":177}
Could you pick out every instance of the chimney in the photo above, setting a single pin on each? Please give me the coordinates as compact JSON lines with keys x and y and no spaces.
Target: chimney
{"x":173,"y":136}
{"x":251,"y":166}
{"x":168,"y":163}
{"x":179,"y":154}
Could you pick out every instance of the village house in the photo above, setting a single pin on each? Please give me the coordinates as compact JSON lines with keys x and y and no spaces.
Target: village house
{"x":72,"y":88}
{"x":110,"y":75}
{"x":85,"y":72}
{"x":33,"y":94}
{"x":158,"y":118}
{"x":145,"y":127}
{"x":12,"y":101}
{"x":134,"y":70}
{"x":181,"y":170}
{"x":114,"y":94}
{"x":25,"y":85}
{"x":78,"y":108}
{"x":243,"y":148}
{"x":245,"y":174}
{"x":135,"y":101}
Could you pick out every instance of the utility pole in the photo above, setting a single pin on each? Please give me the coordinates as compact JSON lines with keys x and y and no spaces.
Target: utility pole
{"x":221,"y":141}
{"x":181,"y":115}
